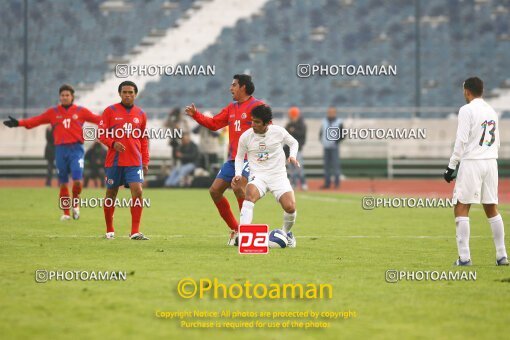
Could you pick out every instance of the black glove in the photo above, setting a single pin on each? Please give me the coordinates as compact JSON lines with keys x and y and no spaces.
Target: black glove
{"x":12,"y":122}
{"x":448,"y":174}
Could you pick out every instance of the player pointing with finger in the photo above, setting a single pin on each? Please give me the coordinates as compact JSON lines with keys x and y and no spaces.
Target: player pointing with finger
{"x":237,"y":116}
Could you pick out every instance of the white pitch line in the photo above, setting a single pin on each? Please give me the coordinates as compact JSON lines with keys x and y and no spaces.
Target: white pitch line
{"x":328,"y":199}
{"x":302,"y":236}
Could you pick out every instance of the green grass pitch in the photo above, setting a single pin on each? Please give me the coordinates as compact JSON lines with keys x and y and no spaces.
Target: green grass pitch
{"x":338,"y":243}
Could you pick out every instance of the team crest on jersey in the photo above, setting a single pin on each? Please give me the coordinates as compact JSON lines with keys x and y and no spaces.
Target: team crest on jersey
{"x":243,"y":116}
{"x":136,"y":120}
{"x":262,"y":146}
{"x":75,"y":116}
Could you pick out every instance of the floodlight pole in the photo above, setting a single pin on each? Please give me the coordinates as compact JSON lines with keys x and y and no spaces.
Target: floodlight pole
{"x":417,"y":89}
{"x":25,"y":59}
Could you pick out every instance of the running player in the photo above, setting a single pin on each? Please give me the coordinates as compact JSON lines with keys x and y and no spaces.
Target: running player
{"x":264,"y":146}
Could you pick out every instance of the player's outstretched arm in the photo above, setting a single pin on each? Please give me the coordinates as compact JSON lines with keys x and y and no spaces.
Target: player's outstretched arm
{"x":43,"y":118}
{"x":12,"y":122}
{"x":215,"y":123}
{"x":91,"y":117}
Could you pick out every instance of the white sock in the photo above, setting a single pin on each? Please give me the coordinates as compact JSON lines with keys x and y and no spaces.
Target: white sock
{"x":288,"y":221}
{"x":498,"y":234}
{"x":462,"y":233}
{"x":246,"y":213}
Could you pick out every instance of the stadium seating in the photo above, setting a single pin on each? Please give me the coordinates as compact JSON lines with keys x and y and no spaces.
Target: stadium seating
{"x":73,"y":44}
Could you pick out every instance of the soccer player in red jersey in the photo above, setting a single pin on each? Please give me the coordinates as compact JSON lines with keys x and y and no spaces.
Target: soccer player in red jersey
{"x":67,"y":120}
{"x":237,"y":116}
{"x":122,"y":130}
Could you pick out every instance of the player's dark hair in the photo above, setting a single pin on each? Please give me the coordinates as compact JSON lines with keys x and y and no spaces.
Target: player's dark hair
{"x":263,"y":112}
{"x":474,"y":85}
{"x":66,"y":87}
{"x":128,"y":83}
{"x":245,"y":80}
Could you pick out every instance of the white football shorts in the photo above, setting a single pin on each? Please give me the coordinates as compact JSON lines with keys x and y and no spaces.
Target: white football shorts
{"x":477,"y":182}
{"x":276,"y":184}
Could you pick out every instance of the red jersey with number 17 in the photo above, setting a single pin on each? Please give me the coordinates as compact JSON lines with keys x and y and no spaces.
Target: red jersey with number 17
{"x":238,"y":118}
{"x":67,"y":123}
{"x":126,"y":126}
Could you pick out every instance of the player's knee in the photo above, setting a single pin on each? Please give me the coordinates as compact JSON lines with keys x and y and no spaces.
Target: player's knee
{"x":215,"y":194}
{"x":290,"y":207}
{"x":137,"y":192}
{"x":250,"y":197}
{"x":239,"y":192}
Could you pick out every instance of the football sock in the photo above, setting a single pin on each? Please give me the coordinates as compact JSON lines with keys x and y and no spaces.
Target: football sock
{"x":288,"y":221}
{"x":65,"y":199}
{"x":247,"y":212}
{"x":226,"y":213}
{"x":498,"y":233}
{"x":462,"y":235}
{"x":76,"y":193}
{"x":108,"y":217}
{"x":240,"y":202}
{"x":136,"y":215}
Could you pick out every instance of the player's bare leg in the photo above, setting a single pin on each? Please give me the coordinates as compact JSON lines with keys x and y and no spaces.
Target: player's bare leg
{"x":65,"y":202}
{"x":498,"y":233}
{"x":252,"y":196}
{"x":288,"y":203}
{"x":239,"y":189}
{"x":461,"y":212}
{"x":109,"y":209}
{"x":77,"y":188}
{"x":216,"y":191}
{"x":136,"y":211}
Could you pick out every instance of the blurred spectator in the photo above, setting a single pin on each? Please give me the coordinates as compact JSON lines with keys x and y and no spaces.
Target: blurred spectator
{"x":297,"y":129}
{"x":94,"y":160}
{"x":188,"y":155}
{"x":175,"y":120}
{"x":209,"y":144}
{"x":330,"y":137}
{"x":49,"y":155}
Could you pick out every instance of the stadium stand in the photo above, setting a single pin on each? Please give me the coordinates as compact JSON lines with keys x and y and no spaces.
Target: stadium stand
{"x":80,"y":42}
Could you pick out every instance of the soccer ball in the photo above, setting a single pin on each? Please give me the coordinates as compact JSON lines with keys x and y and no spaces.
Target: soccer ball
{"x":277,"y":239}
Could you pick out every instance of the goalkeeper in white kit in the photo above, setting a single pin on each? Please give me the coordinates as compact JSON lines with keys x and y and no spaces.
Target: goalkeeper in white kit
{"x":263,"y":145}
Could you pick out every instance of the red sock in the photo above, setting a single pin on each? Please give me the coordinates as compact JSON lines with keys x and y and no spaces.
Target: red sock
{"x":65,"y":199}
{"x":226,"y":213}
{"x":108,"y":217}
{"x":240,"y":202}
{"x":136,"y":215}
{"x":76,"y":193}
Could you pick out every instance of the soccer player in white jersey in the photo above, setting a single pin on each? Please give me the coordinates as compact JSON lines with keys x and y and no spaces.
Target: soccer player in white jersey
{"x":476,"y":148}
{"x":263,"y":144}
